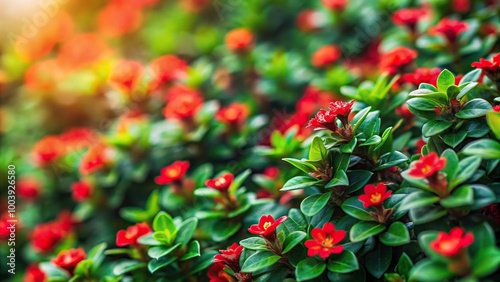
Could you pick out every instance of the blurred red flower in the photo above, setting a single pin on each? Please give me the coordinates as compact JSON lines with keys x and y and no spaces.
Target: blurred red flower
{"x":173,"y":172}
{"x":68,"y":259}
{"x":234,"y":114}
{"x":34,"y":274}
{"x":271,"y":172}
{"x":166,"y":69}
{"x":96,"y":158}
{"x":324,"y":241}
{"x":182,"y":102}
{"x":131,"y":234}
{"x":490,"y":67}
{"x":334,"y":5}
{"x":408,"y":17}
{"x":126,"y":74}
{"x":47,"y":150}
{"x":221,"y":183}
{"x":28,"y":187}
{"x":308,"y":20}
{"x":395,"y":60}
{"x":240,"y":40}
{"x":451,"y":244}
{"x":43,"y":75}
{"x":79,"y":138}
{"x":325,"y":56}
{"x":422,"y":75}
{"x":374,"y":195}
{"x":81,"y":191}
{"x":118,"y":19}
{"x":449,"y":28}
{"x":230,"y":257}
{"x":82,"y":50}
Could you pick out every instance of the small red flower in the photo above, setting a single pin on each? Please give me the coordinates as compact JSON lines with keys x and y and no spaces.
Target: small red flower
{"x":422,"y":75}
{"x":324,"y":241}
{"x":45,"y":236}
{"x":496,"y":108}
{"x":325,"y":56}
{"x":34,"y":274}
{"x":234,"y":114}
{"x":449,"y":28}
{"x":490,"y":67}
{"x":173,"y":172}
{"x":397,"y":59}
{"x":450,"y":245}
{"x":82,"y":50}
{"x":28,"y":188}
{"x":166,"y":69}
{"x":266,"y":226}
{"x":230,"y":257}
{"x":48,"y":150}
{"x":221,"y":183}
{"x":419,"y":144}
{"x":271,"y":172}
{"x":126,"y":75}
{"x":182,"y":102}
{"x":78,"y":138}
{"x":68,"y":259}
{"x":409,"y":17}
{"x":130,"y":236}
{"x":427,"y":165}
{"x":216,"y":273}
{"x":324,"y":119}
{"x":404,"y":112}
{"x":240,"y":40}
{"x":118,"y":19}
{"x":341,"y":109}
{"x":81,"y":191}
{"x":334,"y":5}
{"x":97,"y":157}
{"x":374,"y":195}
{"x":461,"y":6}
{"x":308,"y":20}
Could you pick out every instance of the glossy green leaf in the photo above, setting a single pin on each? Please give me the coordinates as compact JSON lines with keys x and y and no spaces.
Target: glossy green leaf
{"x":161,"y":251}
{"x":186,"y":231}
{"x":461,"y":196}
{"x":164,"y":222}
{"x":378,"y":260}
{"x":299,"y":182}
{"x":292,"y":240}
{"x":317,"y":150}
{"x":309,"y":268}
{"x":357,"y":179}
{"x":339,"y":179}
{"x":434,"y":127}
{"x":493,"y":119}
{"x":254,"y":243}
{"x":303,"y":166}
{"x":314,"y":203}
{"x":474,"y":108}
{"x":354,"y":207}
{"x":258,"y":261}
{"x":344,"y":262}
{"x":427,"y":270}
{"x":444,"y":80}
{"x":364,"y":229}
{"x":192,"y":251}
{"x":396,"y":235}
{"x":418,"y":199}
{"x":156,"y":264}
{"x":485,"y":148}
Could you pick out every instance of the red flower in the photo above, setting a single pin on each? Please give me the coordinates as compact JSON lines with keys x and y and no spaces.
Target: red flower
{"x":308,"y":20}
{"x":234,"y":114}
{"x":419,"y":144}
{"x":130,"y":236}
{"x":43,"y":75}
{"x":449,"y":28}
{"x":166,"y":69}
{"x":324,"y":119}
{"x":118,"y":19}
{"x":404,"y":112}
{"x":460,"y":6}
{"x":216,"y":273}
{"x":240,"y":40}
{"x":325,"y":56}
{"x":267,"y":225}
{"x":34,"y":274}
{"x":324,"y":241}
{"x":422,"y":75}
{"x":408,"y":17}
{"x":182,"y":102}
{"x":221,"y":183}
{"x":68,"y":259}
{"x":341,"y":109}
{"x":79,"y":137}
{"x":82,"y":50}
{"x":271,"y":172}
{"x":28,"y":188}
{"x":81,"y":191}
{"x":490,"y":67}
{"x":427,"y":165}
{"x":230,"y":257}
{"x":44,"y":237}
{"x":374,"y":195}
{"x":450,"y":245}
{"x":48,"y":150}
{"x":395,"y":60}
{"x":173,"y":172}
{"x":313,"y":99}
{"x":496,"y":108}
{"x":334,"y":5}
{"x":97,"y":157}
{"x":126,"y":74}
{"x":4,"y":224}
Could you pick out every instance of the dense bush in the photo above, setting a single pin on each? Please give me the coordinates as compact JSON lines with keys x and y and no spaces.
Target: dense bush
{"x":254,"y":140}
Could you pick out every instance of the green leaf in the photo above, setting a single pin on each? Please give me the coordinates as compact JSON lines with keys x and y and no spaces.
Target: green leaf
{"x":358,"y":119}
{"x":418,"y":199}
{"x":186,"y":231}
{"x":493,"y":119}
{"x":354,"y":207}
{"x":474,"y":108}
{"x":317,"y":150}
{"x":340,"y":179}
{"x":164,"y":237}
{"x":222,"y":230}
{"x":467,"y":167}
{"x":434,"y":127}
{"x":156,"y":264}
{"x":192,"y":251}
{"x":254,"y":243}
{"x":390,"y":159}
{"x":423,"y":104}
{"x":303,"y":166}
{"x":83,"y":268}
{"x":292,"y":240}
{"x":426,"y":214}
{"x":396,"y":235}
{"x":464,"y":89}
{"x":200,"y":263}
{"x":344,"y":262}
{"x":258,"y":261}
{"x":161,"y":251}
{"x":430,"y":94}
{"x":377,"y":261}
{"x":299,"y":182}
{"x":471,"y":76}
{"x":453,"y":139}
{"x":164,"y":222}
{"x":427,"y":270}
{"x":357,"y":179}
{"x":314,"y":203}
{"x":404,"y":265}
{"x":349,"y":147}
{"x":461,"y":196}
{"x":483,"y":196}
{"x":444,"y":80}
{"x":206,"y":192}
{"x":126,"y":266}
{"x":238,"y":181}
{"x":365,"y":229}
{"x":485,"y":148}
{"x":486,"y":261}
{"x":309,"y":268}
{"x":374,"y":140}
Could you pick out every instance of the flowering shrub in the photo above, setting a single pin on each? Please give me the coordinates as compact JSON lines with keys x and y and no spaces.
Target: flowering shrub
{"x":333,"y":140}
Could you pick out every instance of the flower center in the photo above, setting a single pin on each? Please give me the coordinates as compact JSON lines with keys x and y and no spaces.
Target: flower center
{"x":220,"y":181}
{"x":426,"y":169}
{"x":375,"y":197}
{"x":173,"y":172}
{"x":267,"y":225}
{"x":327,"y":242}
{"x":448,"y":245}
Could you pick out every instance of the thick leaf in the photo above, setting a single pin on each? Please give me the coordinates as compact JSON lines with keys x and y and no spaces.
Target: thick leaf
{"x":340,"y":179}
{"x":485,"y":148}
{"x":427,"y":270}
{"x":423,"y":104}
{"x":303,"y":166}
{"x":466,"y":168}
{"x":164,"y":222}
{"x":238,"y":181}
{"x":126,"y":266}
{"x":222,"y":230}
{"x":309,"y":268}
{"x":453,"y":139}
{"x":474,"y":108}
{"x":186,"y":231}
{"x":493,"y":119}
{"x":344,"y":262}
{"x":365,"y":229}
{"x":461,"y":196}
{"x":254,"y":243}
{"x":192,"y":251}
{"x":357,"y":179}
{"x":471,"y":76}
{"x":396,"y":235}
{"x":390,"y":159}
{"x":377,"y":261}
{"x":451,"y":167}
{"x":292,"y":240}
{"x":426,"y":214}
{"x":317,"y":150}
{"x":418,"y":199}
{"x":434,"y":127}
{"x":486,"y":261}
{"x":156,"y":264}
{"x":258,"y":261}
{"x":314,"y":203}
{"x":404,"y":265}
{"x":444,"y":80}
{"x":354,"y":207}
{"x":161,"y":251}
{"x":299,"y":182}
